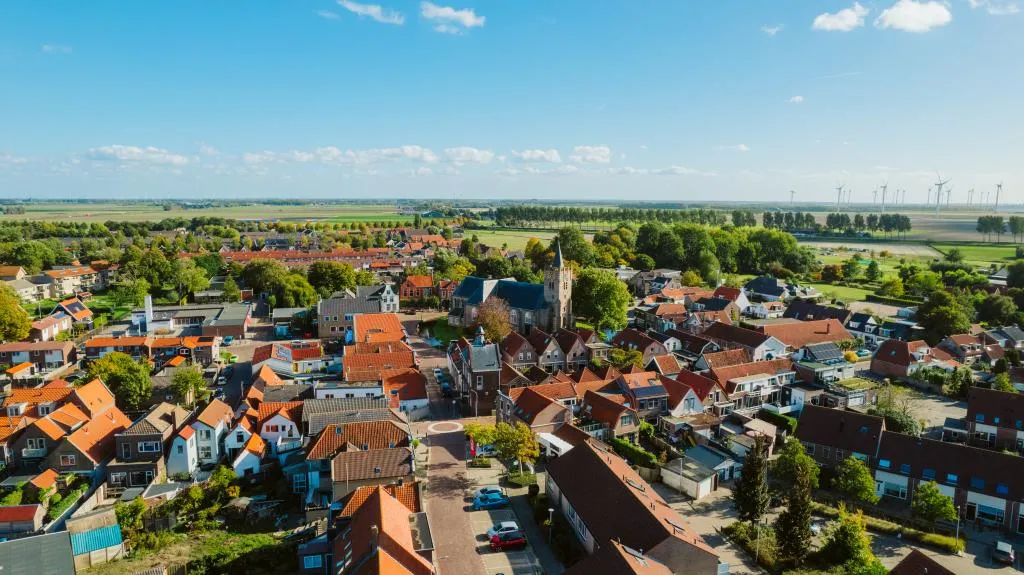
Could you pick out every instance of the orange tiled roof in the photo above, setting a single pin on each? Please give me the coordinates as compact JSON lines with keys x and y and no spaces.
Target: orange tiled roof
{"x":291,"y":410}
{"x":372,"y":434}
{"x":214,"y":413}
{"x":70,"y":272}
{"x":368,"y":366}
{"x":46,"y":479}
{"x":267,"y":376}
{"x":420,"y":281}
{"x":19,"y":368}
{"x":9,"y":425}
{"x":403,"y":384}
{"x":117,"y":341}
{"x":557,"y":390}
{"x":408,"y":494}
{"x":37,"y":395}
{"x":68,"y":416}
{"x":801,"y":333}
{"x":95,"y":397}
{"x":95,"y":439}
{"x":176,"y":361}
{"x":256,"y":445}
{"x":76,"y":308}
{"x":377,"y":327}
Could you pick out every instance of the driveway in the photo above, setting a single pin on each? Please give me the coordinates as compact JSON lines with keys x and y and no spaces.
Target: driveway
{"x":512,"y":562}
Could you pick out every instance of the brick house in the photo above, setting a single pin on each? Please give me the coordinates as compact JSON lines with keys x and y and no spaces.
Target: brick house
{"x":537,"y":411}
{"x":759,"y":345}
{"x":603,"y":417}
{"x":417,"y":287}
{"x":44,"y":355}
{"x":631,"y":339}
{"x":141,"y":448}
{"x":900,"y":359}
{"x":995,"y":419}
{"x":831,"y":435}
{"x":476,"y":372}
{"x":49,"y":327}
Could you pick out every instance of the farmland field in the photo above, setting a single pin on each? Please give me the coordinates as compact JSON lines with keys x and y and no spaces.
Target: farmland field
{"x":137,"y":212}
{"x":982,"y":254}
{"x":515,"y":239}
{"x":898,"y":249}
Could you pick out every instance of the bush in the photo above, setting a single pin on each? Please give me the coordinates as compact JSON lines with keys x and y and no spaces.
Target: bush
{"x":745,"y":535}
{"x":60,"y":506}
{"x":480,"y":462}
{"x":876,"y":525}
{"x":778,"y":420}
{"x":635,"y":454}
{"x":898,"y":302}
{"x":523,"y":479}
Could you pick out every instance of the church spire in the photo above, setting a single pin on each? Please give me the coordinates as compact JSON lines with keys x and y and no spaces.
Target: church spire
{"x":557,"y":262}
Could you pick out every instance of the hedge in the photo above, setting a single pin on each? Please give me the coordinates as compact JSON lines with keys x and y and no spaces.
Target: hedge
{"x":523,"y":479}
{"x":634,"y":453}
{"x":943,"y":542}
{"x":898,"y":302}
{"x":68,"y":500}
{"x":778,"y":420}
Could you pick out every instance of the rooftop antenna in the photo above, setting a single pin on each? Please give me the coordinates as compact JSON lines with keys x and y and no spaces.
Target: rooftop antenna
{"x":999,"y":190}
{"x":938,"y":191}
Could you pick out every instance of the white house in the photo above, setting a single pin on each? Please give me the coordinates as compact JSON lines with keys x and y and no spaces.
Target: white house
{"x":279,"y":425}
{"x":406,"y":390}
{"x":211,"y":426}
{"x":247,"y":462}
{"x":689,"y":477}
{"x":338,"y":389}
{"x":183,"y":456}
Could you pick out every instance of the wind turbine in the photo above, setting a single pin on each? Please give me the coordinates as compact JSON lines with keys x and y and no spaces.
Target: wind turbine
{"x":929,"y":195}
{"x":885,"y":190}
{"x":938,"y":191}
{"x":999,"y":190}
{"x":904,"y":191}
{"x":876,"y":196}
{"x":949,"y":193}
{"x":970,"y":197}
{"x":839,"y":196}
{"x":791,"y":194}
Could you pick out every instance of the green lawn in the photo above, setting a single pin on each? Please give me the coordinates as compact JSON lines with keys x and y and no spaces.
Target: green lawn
{"x":444,"y":332}
{"x":982,"y":254}
{"x":857,"y":384}
{"x":844,"y":293}
{"x":515,"y":239}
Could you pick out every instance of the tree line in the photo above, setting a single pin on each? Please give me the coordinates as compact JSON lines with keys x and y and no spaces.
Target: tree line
{"x":988,"y":225}
{"x":887,"y":223}
{"x":546,"y":216}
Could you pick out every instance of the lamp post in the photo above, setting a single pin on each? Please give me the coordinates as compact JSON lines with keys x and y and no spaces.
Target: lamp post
{"x":958,"y":552}
{"x":757,"y":552}
{"x":551,"y":523}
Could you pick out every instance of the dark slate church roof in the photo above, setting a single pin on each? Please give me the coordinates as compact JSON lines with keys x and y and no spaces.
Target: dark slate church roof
{"x":520,"y":295}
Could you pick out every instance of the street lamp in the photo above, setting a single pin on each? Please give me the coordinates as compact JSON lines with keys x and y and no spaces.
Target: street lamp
{"x":551,"y":523}
{"x":757,"y":552}
{"x":958,"y":552}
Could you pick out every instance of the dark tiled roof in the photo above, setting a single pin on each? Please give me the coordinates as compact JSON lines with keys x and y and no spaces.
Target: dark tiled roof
{"x":373,"y":464}
{"x":805,"y":310}
{"x":917,"y":563}
{"x":1008,"y":407}
{"x":735,"y":334}
{"x":521,"y":295}
{"x":846,"y":430}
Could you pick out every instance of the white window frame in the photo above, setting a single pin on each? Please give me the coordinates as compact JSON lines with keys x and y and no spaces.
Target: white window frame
{"x":149,"y":447}
{"x":68,"y":460}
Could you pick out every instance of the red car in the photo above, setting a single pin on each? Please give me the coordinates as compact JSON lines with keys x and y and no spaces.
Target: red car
{"x":510,"y":540}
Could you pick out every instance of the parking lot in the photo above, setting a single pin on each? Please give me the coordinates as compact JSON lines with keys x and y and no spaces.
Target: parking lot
{"x":511,"y":562}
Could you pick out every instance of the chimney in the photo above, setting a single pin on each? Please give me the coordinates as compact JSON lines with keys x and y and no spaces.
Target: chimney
{"x":828,"y":327}
{"x":149,"y":312}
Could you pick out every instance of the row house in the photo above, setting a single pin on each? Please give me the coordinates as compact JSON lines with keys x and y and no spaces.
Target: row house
{"x":644,"y":392}
{"x":768,"y":288}
{"x":694,"y":402}
{"x":690,"y":346}
{"x":417,"y":287}
{"x":872,"y":331}
{"x":604,"y":416}
{"x":766,"y":309}
{"x":142,"y":447}
{"x":335,"y":315}
{"x":534,"y":409}
{"x":605,"y":501}
{"x":813,"y":311}
{"x":822,"y":363}
{"x":901,"y":359}
{"x":137,"y":347}
{"x":563,"y":393}
{"x":45,"y":356}
{"x":200,"y":443}
{"x":965,"y":348}
{"x":77,"y":278}
{"x":660,"y":316}
{"x":995,"y":419}
{"x":796,"y":335}
{"x":1010,"y":337}
{"x":751,"y":385}
{"x":666,"y":365}
{"x":296,"y":359}
{"x":984,"y":485}
{"x":734,"y":294}
{"x":722,"y":358}
{"x":565,"y":350}
{"x":759,"y":345}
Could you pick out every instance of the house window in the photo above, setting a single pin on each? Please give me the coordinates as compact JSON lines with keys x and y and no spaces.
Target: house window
{"x":810,"y":448}
{"x":826,"y":452}
{"x":205,"y":434}
{"x":1002,"y":489}
{"x":181,"y":449}
{"x":977,"y":482}
{"x":67,"y":460}
{"x":884,"y":463}
{"x":979,"y":417}
{"x":149,"y":447}
{"x":995,"y":420}
{"x":905,"y":468}
{"x":840,"y":455}
{"x":928,"y":474}
{"x":479,"y":382}
{"x":239,"y":437}
{"x":312,"y":562}
{"x":299,"y":483}
{"x":36,"y":443}
{"x":206,"y":452}
{"x":952,"y":478}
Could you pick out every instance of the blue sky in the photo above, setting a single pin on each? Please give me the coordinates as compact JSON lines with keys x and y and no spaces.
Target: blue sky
{"x":618,"y":99}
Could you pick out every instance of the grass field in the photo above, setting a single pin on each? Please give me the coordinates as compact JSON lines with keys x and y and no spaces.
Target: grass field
{"x":843,"y":293}
{"x":137,"y":212}
{"x":982,"y":254}
{"x":516,"y":240}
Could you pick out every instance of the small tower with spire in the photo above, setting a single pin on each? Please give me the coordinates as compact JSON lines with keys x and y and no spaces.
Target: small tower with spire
{"x":558,"y":292}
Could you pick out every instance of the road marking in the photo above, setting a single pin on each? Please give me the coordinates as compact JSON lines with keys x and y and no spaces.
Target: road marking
{"x":444,"y":427}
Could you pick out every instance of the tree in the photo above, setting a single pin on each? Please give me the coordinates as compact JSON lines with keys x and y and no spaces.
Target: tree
{"x":851,"y":268}
{"x":997,"y":309}
{"x":793,"y":462}
{"x":691,"y":278}
{"x":129,"y":515}
{"x":516,"y":443}
{"x":873,"y":272}
{"x":854,"y":481}
{"x":492,"y":315}
{"x":751,"y":492}
{"x":188,"y":277}
{"x":892,"y":286}
{"x":793,"y":527}
{"x":599,"y":296}
{"x":14,"y":321}
{"x":1015,"y":274}
{"x":127,"y":379}
{"x":847,"y":541}
{"x":188,"y":384}
{"x":480,"y":434}
{"x":295,"y":291}
{"x":574,"y":246}
{"x":264,"y":276}
{"x":1001,"y":382}
{"x":954,"y":255}
{"x":329,"y":277}
{"x":625,"y":358}
{"x":931,"y":504}
{"x":231,"y":292}
{"x":942,"y":315}
{"x":365,"y":278}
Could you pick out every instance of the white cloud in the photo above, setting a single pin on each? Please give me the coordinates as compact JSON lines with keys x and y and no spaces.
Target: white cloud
{"x":207,"y":150}
{"x":8,"y":159}
{"x":772,"y":30}
{"x":643,"y":146}
{"x":134,"y":154}
{"x":591,"y":154}
{"x":680,"y":171}
{"x":55,"y":49}
{"x":563,"y":170}
{"x":796,"y":100}
{"x":422,"y":171}
{"x":844,"y":20}
{"x":448,"y":20}
{"x":626,"y":171}
{"x":997,"y":7}
{"x":468,"y":155}
{"x":735,"y":148}
{"x":550,"y":156}
{"x":914,"y":16}
{"x":507,"y":172}
{"x":327,"y":14}
{"x":374,"y":11}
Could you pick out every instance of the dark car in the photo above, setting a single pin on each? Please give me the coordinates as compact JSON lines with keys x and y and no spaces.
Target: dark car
{"x":509,"y":540}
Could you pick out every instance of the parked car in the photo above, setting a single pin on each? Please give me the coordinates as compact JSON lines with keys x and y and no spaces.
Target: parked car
{"x":490,"y":501}
{"x":221,"y":379}
{"x":502,"y":527}
{"x":486,"y":450}
{"x":511,"y":540}
{"x":228,"y":340}
{"x":488,"y":489}
{"x":1002,"y":552}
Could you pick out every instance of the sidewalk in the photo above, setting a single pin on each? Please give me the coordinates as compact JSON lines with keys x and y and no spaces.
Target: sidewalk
{"x":538,"y":541}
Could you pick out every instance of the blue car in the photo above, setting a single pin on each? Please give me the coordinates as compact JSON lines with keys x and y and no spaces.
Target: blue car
{"x":489,"y":501}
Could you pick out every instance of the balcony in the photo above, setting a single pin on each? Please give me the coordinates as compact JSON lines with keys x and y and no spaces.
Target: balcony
{"x":598,"y":430}
{"x":27,"y":453}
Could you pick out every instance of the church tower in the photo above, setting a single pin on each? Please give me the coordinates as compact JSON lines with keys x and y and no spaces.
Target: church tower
{"x":558,"y":292}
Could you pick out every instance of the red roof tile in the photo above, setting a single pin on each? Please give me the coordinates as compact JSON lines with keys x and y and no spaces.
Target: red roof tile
{"x":404,"y":384}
